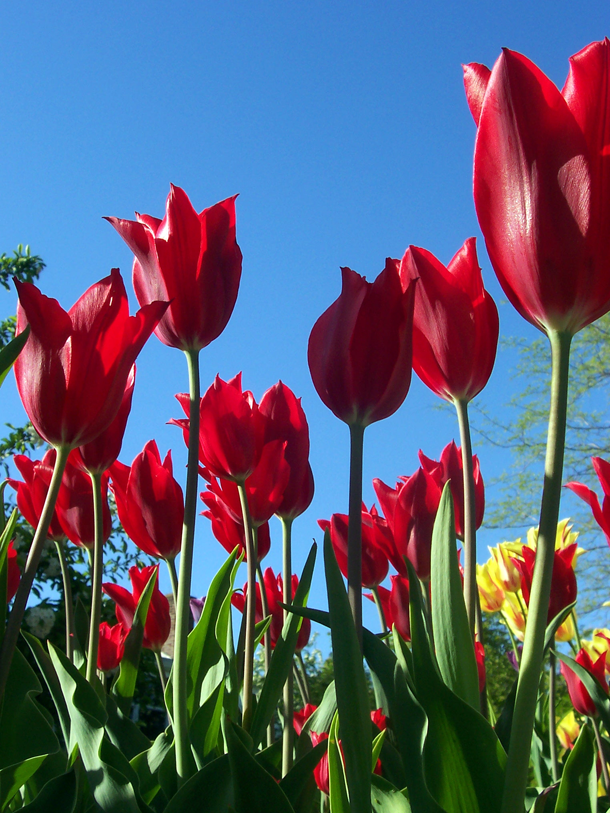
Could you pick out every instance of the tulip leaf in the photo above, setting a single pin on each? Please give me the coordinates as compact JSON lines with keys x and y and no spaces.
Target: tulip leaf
{"x":47,"y":669}
{"x":13,"y":777}
{"x":376,"y":748}
{"x":462,"y":754}
{"x":554,"y":625}
{"x":337,"y":783}
{"x":323,"y":716}
{"x":123,"y":732}
{"x":111,"y":788}
{"x":282,"y":658}
{"x":352,"y":691}
{"x":299,"y":782}
{"x":124,"y":686}
{"x":386,"y":798}
{"x":255,"y":790}
{"x":578,"y":787}
{"x":208,"y":791}
{"x":598,"y":696}
{"x":5,"y":538}
{"x":59,"y":795}
{"x":452,"y":638}
{"x":9,"y":353}
{"x":147,"y":763}
{"x":205,"y":726}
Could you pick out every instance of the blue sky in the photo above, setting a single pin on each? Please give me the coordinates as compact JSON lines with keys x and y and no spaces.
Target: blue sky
{"x":343,"y":127}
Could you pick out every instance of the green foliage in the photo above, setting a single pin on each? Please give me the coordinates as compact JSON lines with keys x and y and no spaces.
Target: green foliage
{"x":22,"y":264}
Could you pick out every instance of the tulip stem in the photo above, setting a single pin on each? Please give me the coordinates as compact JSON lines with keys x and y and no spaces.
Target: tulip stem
{"x":67,"y":584}
{"x":161,"y":670}
{"x":469,"y":529}
{"x":300,"y":684}
{"x":602,"y":755}
{"x":304,"y":675}
{"x":173,"y":577}
{"x":184,"y":759}
{"x":552,"y":721}
{"x":15,"y":619}
{"x":267,"y":636}
{"x":354,"y":529}
{"x":287,"y":734}
{"x":250,"y":609}
{"x":533,"y":644}
{"x":378,"y":604}
{"x":96,"y":577}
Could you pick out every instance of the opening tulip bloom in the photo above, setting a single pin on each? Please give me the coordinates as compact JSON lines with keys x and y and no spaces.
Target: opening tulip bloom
{"x":158,"y":621}
{"x":542,"y":184}
{"x":32,"y":493}
{"x":72,"y":372}
{"x":190,"y":259}
{"x":111,"y":646}
{"x":563,"y":585}
{"x":74,"y":506}
{"x":455,"y":323}
{"x":149,"y":502}
{"x":395,"y":605}
{"x":360,"y":348}
{"x":13,"y":572}
{"x":601,"y":512}
{"x":228,"y":528}
{"x":580,"y":697}
{"x":376,"y":539}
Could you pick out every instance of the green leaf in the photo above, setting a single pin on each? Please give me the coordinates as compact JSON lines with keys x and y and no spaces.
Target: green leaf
{"x":554,"y":625}
{"x":598,"y":696}
{"x":255,"y":791}
{"x":337,"y":783}
{"x":47,"y":669}
{"x":9,"y":353}
{"x":282,"y":658}
{"x":111,"y":788}
{"x":299,"y":780}
{"x":386,"y":798}
{"x":352,"y":692}
{"x":58,"y":795}
{"x":81,"y":635}
{"x":123,"y":732}
{"x":147,"y":763}
{"x":7,"y":534}
{"x":124,"y":686}
{"x":578,"y":787}
{"x":376,"y":748}
{"x":323,"y":716}
{"x":464,"y":761}
{"x":452,"y":639}
{"x":15,"y":776}
{"x":207,"y":791}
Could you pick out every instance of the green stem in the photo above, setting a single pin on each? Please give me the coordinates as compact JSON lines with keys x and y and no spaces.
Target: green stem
{"x":96,"y":577}
{"x":13,"y":627}
{"x":267,"y":635}
{"x":68,"y":605}
{"x":552,"y":721}
{"x":354,"y":530}
{"x":161,"y":669}
{"x":602,"y":755}
{"x":300,"y":684}
{"x":304,"y":676}
{"x":378,"y":604}
{"x":173,"y":577}
{"x":184,"y":759}
{"x":533,"y":644}
{"x":287,"y":734}
{"x":513,"y":641}
{"x":250,"y":610}
{"x":575,"y":622}
{"x":469,"y":529}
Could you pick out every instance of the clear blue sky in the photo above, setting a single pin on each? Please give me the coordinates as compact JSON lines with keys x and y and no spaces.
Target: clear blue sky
{"x":342,"y":125}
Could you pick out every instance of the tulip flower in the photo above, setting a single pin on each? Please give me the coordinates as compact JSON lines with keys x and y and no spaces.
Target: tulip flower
{"x":563,"y":585}
{"x":491,"y":594}
{"x":600,"y":513}
{"x":541,"y":184}
{"x":376,"y":540}
{"x":360,"y":348}
{"x":228,"y":529}
{"x":190,"y":259}
{"x":32,"y":493}
{"x":568,"y":730}
{"x":13,"y":572}
{"x":72,"y":372}
{"x":479,"y":652}
{"x":455,"y":323}
{"x":506,"y":572}
{"x":158,"y":621}
{"x":395,"y":605}
{"x":75,"y":504}
{"x":111,"y":646}
{"x":299,"y":718}
{"x":580,"y":697}
{"x":101,"y":453}
{"x":149,"y":502}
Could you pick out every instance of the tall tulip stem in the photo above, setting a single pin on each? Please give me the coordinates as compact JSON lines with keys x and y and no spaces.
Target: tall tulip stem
{"x":9,"y":642}
{"x":287,"y":735}
{"x":470,"y":533}
{"x":267,"y":636}
{"x":67,"y":585}
{"x":184,"y":760}
{"x":96,"y":577}
{"x":533,"y":644}
{"x":173,"y":577}
{"x":250,"y":609}
{"x":380,"y":612}
{"x":552,"y":721}
{"x":354,"y":531}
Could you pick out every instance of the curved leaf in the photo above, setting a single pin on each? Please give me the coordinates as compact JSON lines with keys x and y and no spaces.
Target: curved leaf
{"x":578,"y":787}
{"x":9,"y":353}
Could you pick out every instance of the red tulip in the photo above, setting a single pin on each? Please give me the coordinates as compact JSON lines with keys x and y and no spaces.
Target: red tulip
{"x":229,"y":529}
{"x":455,"y":324}
{"x":102,"y":452}
{"x":13,"y":572}
{"x":299,"y":718}
{"x":563,"y":583}
{"x":72,"y":372}
{"x":395,"y":605}
{"x":379,"y":719}
{"x":232,"y":430}
{"x":32,"y":493}
{"x":158,"y":621}
{"x":149,"y":502}
{"x":479,"y":652}
{"x":274,"y":592}
{"x":542,"y":184}
{"x":360,"y":348}
{"x":74,"y":506}
{"x":600,"y":513}
{"x":580,"y":697}
{"x":190,"y":259}
{"x":450,"y":468}
{"x":111,"y":646}
{"x":376,"y":541}
{"x":287,"y":422}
